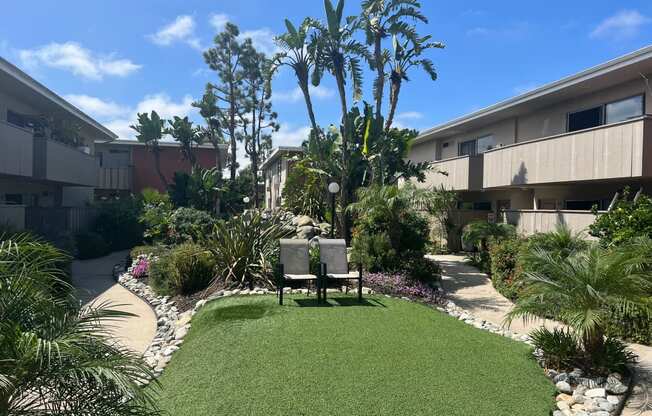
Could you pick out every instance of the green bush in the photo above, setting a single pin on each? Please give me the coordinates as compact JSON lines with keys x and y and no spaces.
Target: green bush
{"x":91,"y":245}
{"x":559,"y":348}
{"x":506,"y":271}
{"x":423,"y":270}
{"x":155,"y":216}
{"x":159,"y":275}
{"x":631,"y":325}
{"x":374,"y":252}
{"x":189,"y":225}
{"x":627,"y":219}
{"x":304,"y":192}
{"x":192,"y":268}
{"x":118,"y":223}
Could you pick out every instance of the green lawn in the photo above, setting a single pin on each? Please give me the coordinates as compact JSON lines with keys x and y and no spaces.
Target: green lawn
{"x":248,"y":356}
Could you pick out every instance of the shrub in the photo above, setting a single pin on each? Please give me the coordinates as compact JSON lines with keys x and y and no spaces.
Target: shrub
{"x":423,"y":270}
{"x":374,"y":252}
{"x":188,"y":225}
{"x":155,"y":216}
{"x":304,"y":191}
{"x":192,"y":268}
{"x":400,"y":284}
{"x":156,"y":250}
{"x":91,"y":245}
{"x":559,"y":348}
{"x":117,"y":222}
{"x":506,"y":271}
{"x":246,"y":248}
{"x":631,"y":324}
{"x":627,"y":219}
{"x":160,"y":271}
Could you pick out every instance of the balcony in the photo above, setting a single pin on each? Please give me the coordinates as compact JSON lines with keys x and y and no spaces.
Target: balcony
{"x":620,"y":150}
{"x":17,"y":144}
{"x":118,"y":179}
{"x":530,"y":221}
{"x":462,"y":173}
{"x":57,"y":162}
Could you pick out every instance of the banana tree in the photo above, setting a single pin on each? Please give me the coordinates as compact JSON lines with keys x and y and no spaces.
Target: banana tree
{"x":406,"y":55}
{"x":150,"y":129}
{"x":381,"y":19}
{"x":295,"y":54}
{"x":337,"y":51}
{"x":187,"y":135}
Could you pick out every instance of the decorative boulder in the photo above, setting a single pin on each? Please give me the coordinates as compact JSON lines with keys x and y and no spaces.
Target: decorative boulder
{"x":304,"y":220}
{"x":306,"y":232}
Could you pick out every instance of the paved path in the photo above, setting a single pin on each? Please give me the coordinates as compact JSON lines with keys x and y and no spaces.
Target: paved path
{"x":472,"y":290}
{"x":95,"y":283}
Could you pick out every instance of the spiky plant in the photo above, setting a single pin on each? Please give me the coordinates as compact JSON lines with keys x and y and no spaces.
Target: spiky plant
{"x":579,"y":290}
{"x":55,"y":357}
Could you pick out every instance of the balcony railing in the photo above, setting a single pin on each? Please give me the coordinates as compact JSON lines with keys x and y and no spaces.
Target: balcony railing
{"x":619,"y":150}
{"x":530,"y":221}
{"x":461,"y":173}
{"x":119,"y":178}
{"x":58,"y":162}
{"x":16,"y":150}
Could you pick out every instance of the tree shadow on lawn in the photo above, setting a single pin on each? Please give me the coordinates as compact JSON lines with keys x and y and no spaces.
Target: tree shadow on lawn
{"x":339,"y":301}
{"x":239,"y":313}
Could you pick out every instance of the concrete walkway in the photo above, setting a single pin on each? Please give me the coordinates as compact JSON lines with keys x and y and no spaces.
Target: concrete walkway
{"x":94,"y":283}
{"x":472,"y":290}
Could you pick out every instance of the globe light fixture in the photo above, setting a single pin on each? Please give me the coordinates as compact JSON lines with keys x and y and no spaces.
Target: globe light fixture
{"x":333,"y":188}
{"x":246,"y":199}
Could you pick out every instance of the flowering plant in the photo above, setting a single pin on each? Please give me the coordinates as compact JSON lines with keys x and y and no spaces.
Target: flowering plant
{"x":140,"y":267}
{"x":399,"y":284}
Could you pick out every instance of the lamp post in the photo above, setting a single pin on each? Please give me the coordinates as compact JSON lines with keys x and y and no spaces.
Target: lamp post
{"x":333,"y":189}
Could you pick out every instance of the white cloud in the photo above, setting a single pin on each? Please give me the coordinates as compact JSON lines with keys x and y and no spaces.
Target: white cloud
{"x":97,"y":107}
{"x":181,"y":30}
{"x":73,"y":57}
{"x":512,"y":30}
{"x":296,"y":95}
{"x":118,"y":118}
{"x":624,"y":24}
{"x":218,"y":21}
{"x":409,"y":115}
{"x":478,"y":31}
{"x":289,"y":135}
{"x":262,"y":39}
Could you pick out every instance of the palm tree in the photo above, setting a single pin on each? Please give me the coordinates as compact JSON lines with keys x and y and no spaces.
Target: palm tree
{"x":380,"y":19}
{"x":187,"y":135}
{"x":407,"y":55}
{"x":295,"y":55}
{"x":336,"y":51}
{"x":212,"y":114}
{"x":479,"y":232}
{"x":580,"y":289}
{"x":560,"y":243}
{"x":150,"y":129}
{"x":57,"y":358}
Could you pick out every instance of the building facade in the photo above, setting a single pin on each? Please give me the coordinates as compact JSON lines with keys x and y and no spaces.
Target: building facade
{"x":548,"y":156}
{"x":275,"y":172}
{"x":127,"y":166}
{"x":48,"y":167}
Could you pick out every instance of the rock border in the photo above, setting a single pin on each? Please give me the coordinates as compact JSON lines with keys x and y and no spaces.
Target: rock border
{"x":578,"y":395}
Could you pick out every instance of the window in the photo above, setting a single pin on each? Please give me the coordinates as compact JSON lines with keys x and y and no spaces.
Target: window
{"x":477,"y":146}
{"x":464,"y":205}
{"x":504,"y":204}
{"x":585,"y":119}
{"x":624,"y":109}
{"x":482,"y":206}
{"x":547,"y":204}
{"x":13,"y":199}
{"x":582,"y":205}
{"x":16,"y":119}
{"x":467,"y":148}
{"x":486,"y":143}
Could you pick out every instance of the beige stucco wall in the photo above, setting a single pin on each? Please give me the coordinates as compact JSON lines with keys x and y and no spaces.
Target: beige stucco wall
{"x":503,"y":132}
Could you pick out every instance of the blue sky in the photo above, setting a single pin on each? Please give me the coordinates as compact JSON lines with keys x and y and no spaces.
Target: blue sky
{"x":113,"y":59}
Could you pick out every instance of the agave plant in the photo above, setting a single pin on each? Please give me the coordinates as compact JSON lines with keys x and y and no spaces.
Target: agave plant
{"x":245,"y":249}
{"x":57,"y":358}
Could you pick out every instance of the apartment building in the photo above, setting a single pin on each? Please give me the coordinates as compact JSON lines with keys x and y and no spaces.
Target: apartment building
{"x":48,"y":168}
{"x":548,"y":156}
{"x":275,"y":172}
{"x":127,"y":166}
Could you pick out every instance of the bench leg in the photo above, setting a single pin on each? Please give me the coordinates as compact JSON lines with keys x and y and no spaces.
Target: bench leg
{"x":318,"y":289}
{"x":280,"y":292}
{"x":360,"y":284}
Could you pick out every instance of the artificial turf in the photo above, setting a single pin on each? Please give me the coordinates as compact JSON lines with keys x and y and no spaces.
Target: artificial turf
{"x":249,"y":356}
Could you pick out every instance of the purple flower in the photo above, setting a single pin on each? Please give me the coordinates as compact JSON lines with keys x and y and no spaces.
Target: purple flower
{"x":399,"y":284}
{"x":141,"y":268}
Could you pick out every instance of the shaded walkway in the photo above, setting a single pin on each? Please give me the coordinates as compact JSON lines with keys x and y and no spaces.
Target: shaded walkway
{"x":94,"y":282}
{"x":472,"y":290}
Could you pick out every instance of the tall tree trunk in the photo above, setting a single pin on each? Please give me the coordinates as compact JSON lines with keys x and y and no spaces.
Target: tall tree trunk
{"x":232,"y":129}
{"x":345,"y":192}
{"x":303,"y":84}
{"x":157,"y":165}
{"x":393,"y":101}
{"x":380,"y":74}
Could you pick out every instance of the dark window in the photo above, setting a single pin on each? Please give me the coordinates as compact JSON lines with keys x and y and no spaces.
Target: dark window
{"x":13,"y":199}
{"x":482,"y":206}
{"x":581,"y":205}
{"x":585,"y":119}
{"x":624,"y":109}
{"x":467,"y":148}
{"x":16,"y":119}
{"x":464,"y":205}
{"x":547,"y":204}
{"x":504,"y":204}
